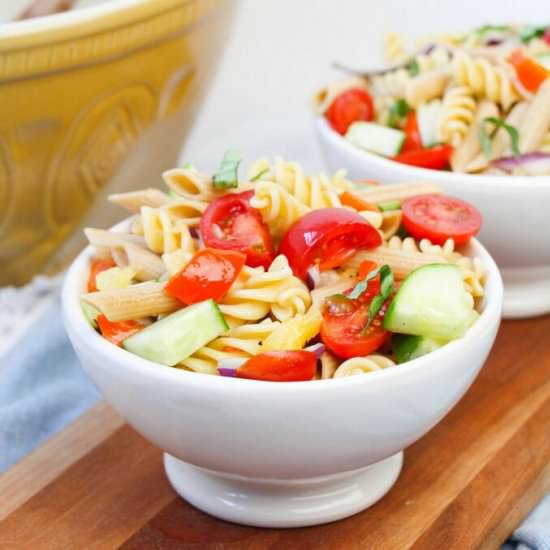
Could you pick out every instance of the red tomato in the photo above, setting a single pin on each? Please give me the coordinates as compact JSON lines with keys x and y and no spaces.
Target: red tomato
{"x":230,"y":223}
{"x":353,"y":200}
{"x":342,"y":330}
{"x":280,"y":366}
{"x":118,"y":331}
{"x":97,"y":266}
{"x":435,"y":158}
{"x":530,"y":73}
{"x":439,"y":218}
{"x":366,"y":267}
{"x":329,"y":236}
{"x":209,"y":274}
{"x":348,"y":107}
{"x":546,"y":36}
{"x":412,"y":134}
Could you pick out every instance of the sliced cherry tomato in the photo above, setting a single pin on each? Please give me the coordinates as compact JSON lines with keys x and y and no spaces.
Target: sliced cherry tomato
{"x":530,"y":73}
{"x":230,"y":223}
{"x":280,"y":366}
{"x":412,"y":134}
{"x":97,"y":266}
{"x":118,"y":331}
{"x":209,"y":274}
{"x":546,"y":36}
{"x":366,"y":267}
{"x":353,"y":200}
{"x":328,"y":236}
{"x":348,"y":107}
{"x":435,"y":158}
{"x":342,"y":331}
{"x":438,"y":218}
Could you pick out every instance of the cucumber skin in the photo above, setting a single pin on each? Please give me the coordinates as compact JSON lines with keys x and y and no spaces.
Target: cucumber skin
{"x":407,"y":347}
{"x":431,"y":321}
{"x":178,"y":335}
{"x":356,"y":136}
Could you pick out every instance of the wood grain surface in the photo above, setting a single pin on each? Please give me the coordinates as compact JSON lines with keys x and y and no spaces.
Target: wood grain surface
{"x":466,"y":484}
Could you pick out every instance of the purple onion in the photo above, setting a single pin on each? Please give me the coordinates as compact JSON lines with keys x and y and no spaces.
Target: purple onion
{"x":195,"y":233}
{"x":428,"y":49}
{"x":313,"y":277}
{"x":494,"y":41}
{"x":537,"y":163}
{"x":317,"y":349}
{"x":228,"y":367}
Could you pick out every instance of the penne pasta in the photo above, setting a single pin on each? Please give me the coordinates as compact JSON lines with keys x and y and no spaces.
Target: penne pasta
{"x":134,"y":200}
{"x":425,"y":87}
{"x":536,"y":121}
{"x":399,"y":191}
{"x":110,"y":239}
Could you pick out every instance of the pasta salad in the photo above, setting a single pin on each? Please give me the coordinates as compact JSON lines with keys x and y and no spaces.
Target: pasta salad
{"x":475,"y":102}
{"x":282,"y":276}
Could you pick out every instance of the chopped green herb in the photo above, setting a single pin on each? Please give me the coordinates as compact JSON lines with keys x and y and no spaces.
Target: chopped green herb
{"x":526,"y":34}
{"x":259,"y":174}
{"x":491,"y":28}
{"x":228,"y":174}
{"x":485,"y":138}
{"x":398,"y":111}
{"x":386,"y":288}
{"x":362,"y":285}
{"x":389,"y":205}
{"x":414,"y":68}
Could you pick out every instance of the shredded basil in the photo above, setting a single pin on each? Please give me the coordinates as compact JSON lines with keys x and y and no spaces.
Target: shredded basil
{"x":526,"y":34}
{"x":228,"y":174}
{"x":362,"y":285}
{"x":386,"y":288}
{"x":414,"y":68}
{"x":398,"y":111}
{"x":259,"y":174}
{"x":497,"y":123}
{"x":490,"y":28}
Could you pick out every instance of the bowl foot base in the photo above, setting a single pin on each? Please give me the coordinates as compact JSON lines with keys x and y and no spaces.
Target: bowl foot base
{"x":282,"y":503}
{"x":526,"y":292}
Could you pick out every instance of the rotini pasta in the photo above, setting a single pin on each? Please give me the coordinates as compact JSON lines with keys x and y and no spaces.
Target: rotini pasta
{"x":458,"y":113}
{"x":363,"y":365}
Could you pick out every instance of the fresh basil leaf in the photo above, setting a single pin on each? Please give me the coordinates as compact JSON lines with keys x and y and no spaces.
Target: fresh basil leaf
{"x":485,"y":138}
{"x":228,"y":174}
{"x":362,"y":285}
{"x":259,"y":174}
{"x":414,"y":68}
{"x":398,"y":111}
{"x":490,"y":28}
{"x":526,"y":34}
{"x":386,"y":288}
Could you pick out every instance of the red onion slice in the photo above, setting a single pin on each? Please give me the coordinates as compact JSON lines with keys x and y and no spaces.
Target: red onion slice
{"x":532,"y":164}
{"x":317,"y":349}
{"x":313,"y":277}
{"x":228,"y":367}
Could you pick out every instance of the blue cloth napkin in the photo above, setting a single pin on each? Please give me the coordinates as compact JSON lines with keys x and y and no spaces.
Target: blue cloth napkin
{"x":43,"y":388}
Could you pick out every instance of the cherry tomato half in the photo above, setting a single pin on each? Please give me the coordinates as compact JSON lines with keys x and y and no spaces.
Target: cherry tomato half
{"x":342,"y":329}
{"x":97,"y":266}
{"x":209,"y":274}
{"x":438,"y":218}
{"x":348,"y":107}
{"x":328,"y":236}
{"x":280,"y":366}
{"x":546,"y":36}
{"x":412,"y":134}
{"x":117,"y":331}
{"x":435,"y":158}
{"x":230,"y":223}
{"x":530,"y":73}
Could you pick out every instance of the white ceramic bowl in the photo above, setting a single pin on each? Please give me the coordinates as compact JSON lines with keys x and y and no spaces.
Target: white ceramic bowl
{"x":516,"y":228}
{"x":282,"y":454}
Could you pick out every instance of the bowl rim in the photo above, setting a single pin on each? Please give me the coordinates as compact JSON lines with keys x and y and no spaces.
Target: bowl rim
{"x":118,"y":358}
{"x":416,"y":173}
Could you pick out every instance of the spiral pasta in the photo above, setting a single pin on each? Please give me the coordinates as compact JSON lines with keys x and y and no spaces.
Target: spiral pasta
{"x":438,"y":57}
{"x":485,"y":79}
{"x":279,"y":208}
{"x":457,"y":114}
{"x":391,"y":84}
{"x":362,"y":365}
{"x":258,"y":292}
{"x":240,"y":342}
{"x":394,"y":48}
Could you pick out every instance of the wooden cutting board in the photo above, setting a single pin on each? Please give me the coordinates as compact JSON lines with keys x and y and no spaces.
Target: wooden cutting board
{"x":466,"y":484}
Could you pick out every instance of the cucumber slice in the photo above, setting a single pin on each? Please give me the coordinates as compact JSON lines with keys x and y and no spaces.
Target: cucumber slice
{"x":407,"y":347}
{"x":178,"y":335}
{"x":376,"y":138}
{"x":544,"y":59}
{"x":428,"y":115}
{"x":90,"y":312}
{"x":431,"y":302}
{"x":389,"y":205}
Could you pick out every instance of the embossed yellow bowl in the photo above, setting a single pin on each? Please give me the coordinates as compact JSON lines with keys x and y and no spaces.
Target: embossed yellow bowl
{"x":93,"y":101}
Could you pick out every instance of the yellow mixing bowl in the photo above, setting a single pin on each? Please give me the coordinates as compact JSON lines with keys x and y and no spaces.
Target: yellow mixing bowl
{"x":94,"y":101}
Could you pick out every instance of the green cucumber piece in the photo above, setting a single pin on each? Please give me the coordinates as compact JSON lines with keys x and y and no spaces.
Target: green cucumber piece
{"x":376,"y":138}
{"x":543,"y":59}
{"x":428,"y":115}
{"x":90,"y":312}
{"x":431,"y":302}
{"x":178,"y":335}
{"x":389,"y":205}
{"x":408,"y":347}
